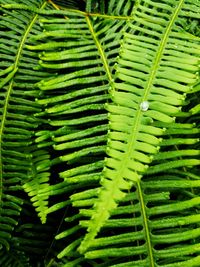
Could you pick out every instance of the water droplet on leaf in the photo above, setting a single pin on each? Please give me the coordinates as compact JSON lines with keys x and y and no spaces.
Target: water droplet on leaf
{"x":144,"y":106}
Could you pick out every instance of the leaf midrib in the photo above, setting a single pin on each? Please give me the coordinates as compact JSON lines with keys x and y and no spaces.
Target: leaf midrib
{"x":9,"y":91}
{"x":100,"y":49}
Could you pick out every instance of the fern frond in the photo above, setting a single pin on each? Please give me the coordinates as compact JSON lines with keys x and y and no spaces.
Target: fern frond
{"x":135,"y":108}
{"x":166,"y":217}
{"x":10,"y":210}
{"x":39,"y":178}
{"x":82,"y":110}
{"x":17,"y":104}
{"x":166,"y":213}
{"x":79,"y":112}
{"x":99,"y":127}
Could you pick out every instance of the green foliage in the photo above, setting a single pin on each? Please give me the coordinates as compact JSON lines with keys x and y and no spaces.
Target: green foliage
{"x":99,"y":134}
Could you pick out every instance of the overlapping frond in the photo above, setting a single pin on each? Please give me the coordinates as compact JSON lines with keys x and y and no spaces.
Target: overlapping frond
{"x":118,"y":79}
{"x":17,"y":107}
{"x":74,"y":100}
{"x":156,"y":203}
{"x":170,"y":201}
{"x":146,"y":94}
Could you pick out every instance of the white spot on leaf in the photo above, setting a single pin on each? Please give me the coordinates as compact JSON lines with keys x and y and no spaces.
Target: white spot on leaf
{"x":144,"y":106}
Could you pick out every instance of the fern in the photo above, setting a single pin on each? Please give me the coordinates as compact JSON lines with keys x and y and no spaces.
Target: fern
{"x":18,"y":161}
{"x":99,"y":128}
{"x":90,"y":123}
{"x":137,"y":102}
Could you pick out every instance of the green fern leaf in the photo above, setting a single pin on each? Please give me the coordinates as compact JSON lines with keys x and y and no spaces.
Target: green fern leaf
{"x":82,"y":110}
{"x":133,"y":111}
{"x":18,"y":104}
{"x":133,"y":64}
{"x":81,"y":39}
